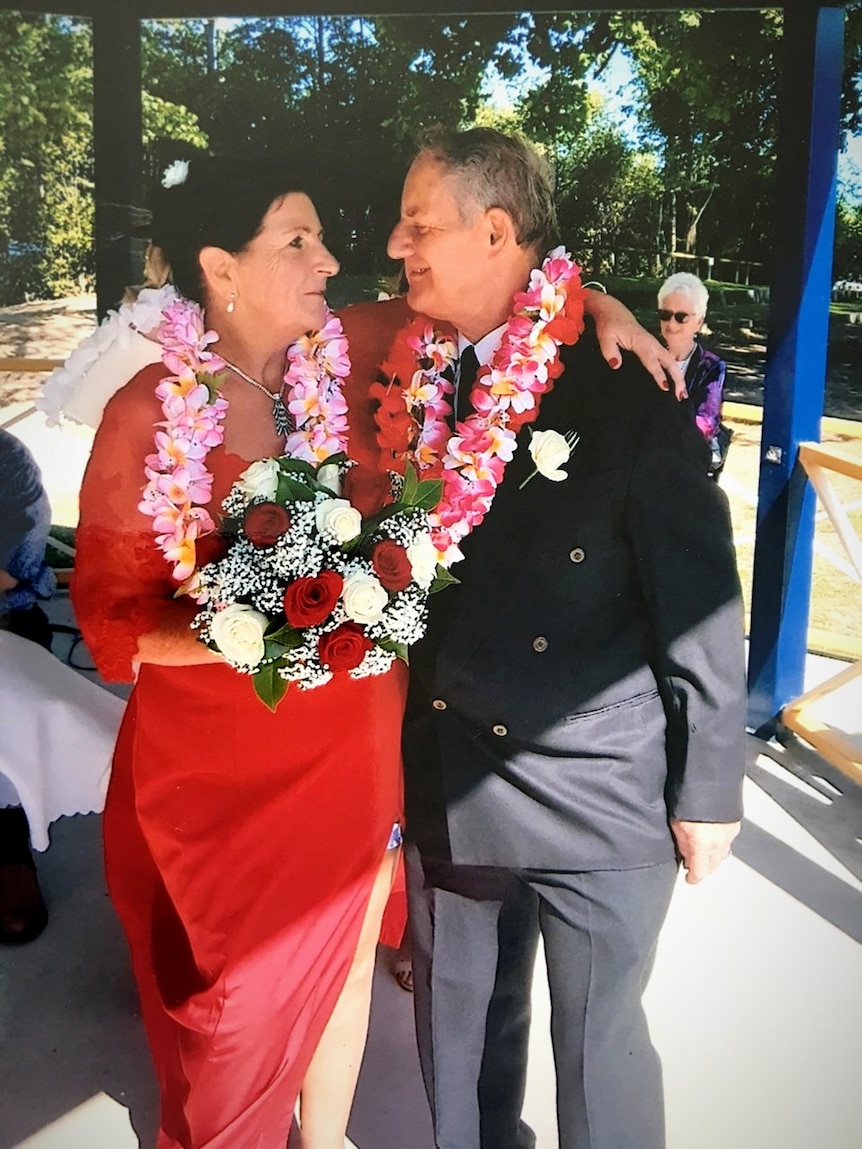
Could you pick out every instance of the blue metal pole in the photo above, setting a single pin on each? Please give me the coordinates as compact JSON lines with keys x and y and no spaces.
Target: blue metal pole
{"x":812,"y":49}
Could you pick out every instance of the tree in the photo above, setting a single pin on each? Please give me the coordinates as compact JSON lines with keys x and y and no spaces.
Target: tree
{"x":847,"y":261}
{"x":46,"y":165}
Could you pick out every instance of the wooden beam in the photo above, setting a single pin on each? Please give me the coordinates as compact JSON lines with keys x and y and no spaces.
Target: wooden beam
{"x":187,"y":9}
{"x":805,"y":181}
{"x":117,"y":148}
{"x":16,"y":365}
{"x":163,"y":9}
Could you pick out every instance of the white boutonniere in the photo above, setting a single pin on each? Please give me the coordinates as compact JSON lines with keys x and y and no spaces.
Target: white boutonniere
{"x":550,"y":450}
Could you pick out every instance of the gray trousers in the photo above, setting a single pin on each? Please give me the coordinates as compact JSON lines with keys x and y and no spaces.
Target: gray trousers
{"x":475,"y":933}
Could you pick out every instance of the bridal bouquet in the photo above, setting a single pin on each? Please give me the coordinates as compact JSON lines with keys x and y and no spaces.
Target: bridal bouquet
{"x":328,"y":567}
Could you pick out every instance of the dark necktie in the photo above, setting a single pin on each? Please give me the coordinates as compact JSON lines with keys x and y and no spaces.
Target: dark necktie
{"x":468,"y":367}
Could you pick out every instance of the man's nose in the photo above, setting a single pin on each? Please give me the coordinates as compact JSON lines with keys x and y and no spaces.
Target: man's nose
{"x":399,"y":242}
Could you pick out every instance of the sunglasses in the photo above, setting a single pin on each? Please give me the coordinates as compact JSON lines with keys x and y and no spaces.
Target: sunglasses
{"x":679,"y":316}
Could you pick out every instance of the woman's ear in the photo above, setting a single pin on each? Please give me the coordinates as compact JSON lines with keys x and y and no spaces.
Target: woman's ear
{"x":219,"y":273}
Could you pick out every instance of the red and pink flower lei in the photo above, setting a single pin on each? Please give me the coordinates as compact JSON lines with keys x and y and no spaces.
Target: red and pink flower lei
{"x":411,"y":419}
{"x":179,"y":486}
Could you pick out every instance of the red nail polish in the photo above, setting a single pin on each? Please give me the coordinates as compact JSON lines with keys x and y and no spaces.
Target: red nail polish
{"x":614,"y":362}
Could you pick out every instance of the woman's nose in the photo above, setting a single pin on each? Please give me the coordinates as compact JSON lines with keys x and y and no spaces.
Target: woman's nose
{"x":329,"y":265}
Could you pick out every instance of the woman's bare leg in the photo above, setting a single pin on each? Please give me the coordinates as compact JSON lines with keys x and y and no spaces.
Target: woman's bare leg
{"x":329,"y":1085}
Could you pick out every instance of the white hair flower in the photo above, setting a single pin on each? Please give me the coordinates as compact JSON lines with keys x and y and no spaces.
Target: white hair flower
{"x":176,"y":173}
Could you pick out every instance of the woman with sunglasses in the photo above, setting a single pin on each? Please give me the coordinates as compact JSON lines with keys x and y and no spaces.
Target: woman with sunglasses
{"x":682,"y":300}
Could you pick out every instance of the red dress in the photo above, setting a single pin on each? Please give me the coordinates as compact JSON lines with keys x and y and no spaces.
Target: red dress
{"x":241,"y":845}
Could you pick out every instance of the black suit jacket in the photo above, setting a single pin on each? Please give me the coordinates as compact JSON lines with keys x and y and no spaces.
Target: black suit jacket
{"x":585,"y":681}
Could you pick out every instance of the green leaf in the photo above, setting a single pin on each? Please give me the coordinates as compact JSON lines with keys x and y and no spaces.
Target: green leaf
{"x":411,"y":485}
{"x":428,"y":494}
{"x":399,"y":649}
{"x":269,"y":686}
{"x":293,"y":490}
{"x":212,"y":383}
{"x":296,"y":466}
{"x":285,"y":636}
{"x":442,"y":579}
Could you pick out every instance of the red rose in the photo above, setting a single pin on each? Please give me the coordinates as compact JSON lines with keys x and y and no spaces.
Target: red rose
{"x":308,"y":601}
{"x":367,"y":489}
{"x":265,"y":523}
{"x":391,"y":565}
{"x":345,"y":647}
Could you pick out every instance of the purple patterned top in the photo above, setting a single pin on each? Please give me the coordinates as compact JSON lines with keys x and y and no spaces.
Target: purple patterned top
{"x":704,"y":378}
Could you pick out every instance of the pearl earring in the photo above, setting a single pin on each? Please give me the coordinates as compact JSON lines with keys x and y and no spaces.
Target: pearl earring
{"x":231,"y":306}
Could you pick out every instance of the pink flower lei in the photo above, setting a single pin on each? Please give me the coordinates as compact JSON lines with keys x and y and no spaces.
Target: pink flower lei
{"x":179,"y":486}
{"x":505,"y":396}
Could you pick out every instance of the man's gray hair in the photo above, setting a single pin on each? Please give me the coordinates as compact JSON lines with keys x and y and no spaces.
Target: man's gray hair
{"x":501,"y":171}
{"x":684,"y":283}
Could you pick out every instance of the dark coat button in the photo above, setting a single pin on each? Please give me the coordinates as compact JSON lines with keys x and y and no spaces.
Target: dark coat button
{"x":577,"y":554}
{"x":540,"y":644}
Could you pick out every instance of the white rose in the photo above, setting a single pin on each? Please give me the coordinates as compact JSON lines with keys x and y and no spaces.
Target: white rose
{"x":550,"y":450}
{"x":338,"y":519}
{"x":329,"y":476}
{"x":238,"y":633}
{"x":364,"y":598}
{"x":422,"y":555}
{"x":260,"y":479}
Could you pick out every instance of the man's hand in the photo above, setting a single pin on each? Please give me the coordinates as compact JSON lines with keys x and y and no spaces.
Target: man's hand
{"x":617,"y":328}
{"x":7,"y":581}
{"x":703,"y":846}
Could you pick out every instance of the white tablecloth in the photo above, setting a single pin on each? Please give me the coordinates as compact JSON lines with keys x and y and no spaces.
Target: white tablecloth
{"x":57,"y":734}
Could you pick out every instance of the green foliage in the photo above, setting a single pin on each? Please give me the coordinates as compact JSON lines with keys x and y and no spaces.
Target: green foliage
{"x":847,"y":262}
{"x":707,"y":96}
{"x":164,"y":120}
{"x":347,"y":96}
{"x":46,"y":166}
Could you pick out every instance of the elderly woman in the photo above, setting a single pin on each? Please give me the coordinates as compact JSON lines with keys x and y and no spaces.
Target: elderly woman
{"x":249,"y":853}
{"x":682,"y":300}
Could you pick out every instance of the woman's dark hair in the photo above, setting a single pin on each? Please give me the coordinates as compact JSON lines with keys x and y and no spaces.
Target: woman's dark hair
{"x":221,"y":203}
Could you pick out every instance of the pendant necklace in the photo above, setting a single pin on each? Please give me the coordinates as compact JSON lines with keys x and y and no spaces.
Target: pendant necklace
{"x":280,"y":414}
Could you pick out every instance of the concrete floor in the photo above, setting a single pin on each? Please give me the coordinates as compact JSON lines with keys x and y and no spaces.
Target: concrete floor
{"x":755,"y":1004}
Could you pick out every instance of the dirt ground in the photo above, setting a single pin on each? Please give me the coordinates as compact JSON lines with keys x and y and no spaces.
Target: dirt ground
{"x":52,"y":329}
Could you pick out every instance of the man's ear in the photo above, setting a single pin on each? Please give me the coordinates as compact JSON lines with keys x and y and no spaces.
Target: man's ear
{"x":219,"y":272}
{"x":500,"y":229}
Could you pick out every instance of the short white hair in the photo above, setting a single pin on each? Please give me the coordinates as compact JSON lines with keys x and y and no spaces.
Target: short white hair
{"x":684,"y":283}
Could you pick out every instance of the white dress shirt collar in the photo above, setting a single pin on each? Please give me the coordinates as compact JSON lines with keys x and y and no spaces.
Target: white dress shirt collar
{"x":485,"y":347}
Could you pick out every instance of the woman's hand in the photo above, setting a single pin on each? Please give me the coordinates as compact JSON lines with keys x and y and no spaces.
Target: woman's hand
{"x":7,"y":581}
{"x":174,"y":643}
{"x":617,"y":328}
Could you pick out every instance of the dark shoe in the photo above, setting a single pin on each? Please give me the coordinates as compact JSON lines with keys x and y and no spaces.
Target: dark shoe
{"x":23,"y":914}
{"x":31,"y":623}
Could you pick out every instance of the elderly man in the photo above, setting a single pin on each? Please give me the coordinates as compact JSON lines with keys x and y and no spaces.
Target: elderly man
{"x":576,"y":718}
